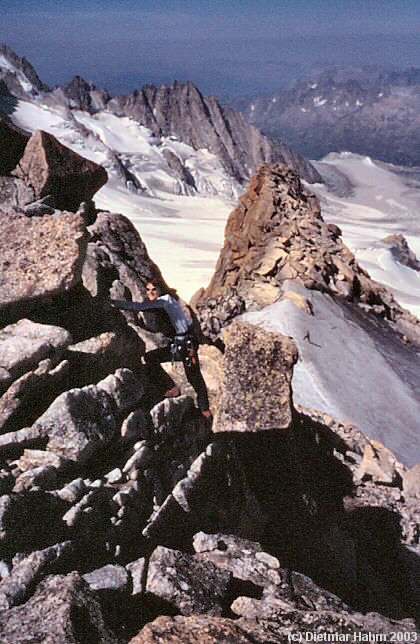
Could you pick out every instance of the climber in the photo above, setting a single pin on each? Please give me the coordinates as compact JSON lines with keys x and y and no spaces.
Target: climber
{"x":182,"y":348}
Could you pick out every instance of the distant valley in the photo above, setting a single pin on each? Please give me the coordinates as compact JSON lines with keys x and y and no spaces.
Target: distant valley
{"x":333,"y":111}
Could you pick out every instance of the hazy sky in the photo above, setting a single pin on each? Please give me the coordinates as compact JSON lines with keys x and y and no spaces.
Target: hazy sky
{"x":226,"y":47}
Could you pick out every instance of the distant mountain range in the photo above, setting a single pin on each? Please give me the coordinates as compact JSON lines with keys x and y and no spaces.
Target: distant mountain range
{"x":336,"y":110}
{"x":178,"y":110}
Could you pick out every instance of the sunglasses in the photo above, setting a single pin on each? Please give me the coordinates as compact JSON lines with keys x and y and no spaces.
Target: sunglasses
{"x":151,"y":290}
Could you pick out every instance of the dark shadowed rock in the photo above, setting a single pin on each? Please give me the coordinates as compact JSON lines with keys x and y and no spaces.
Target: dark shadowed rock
{"x":63,"y":610}
{"x":257,"y":398}
{"x":30,"y":395}
{"x":15,"y":588}
{"x":98,"y":356}
{"x":80,"y":422}
{"x":13,"y":443}
{"x":189,"y":585}
{"x":22,"y":521}
{"x":43,"y":477}
{"x":39,"y":257}
{"x":14,"y":194}
{"x":12,"y":145}
{"x":50,"y":168}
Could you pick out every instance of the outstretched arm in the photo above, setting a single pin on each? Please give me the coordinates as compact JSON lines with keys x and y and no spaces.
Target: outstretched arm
{"x":128,"y":305}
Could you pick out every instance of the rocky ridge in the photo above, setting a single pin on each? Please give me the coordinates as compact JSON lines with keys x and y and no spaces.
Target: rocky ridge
{"x":18,"y":75}
{"x":277,"y":233}
{"x":179,"y":110}
{"x":149,"y":512}
{"x":200,"y":121}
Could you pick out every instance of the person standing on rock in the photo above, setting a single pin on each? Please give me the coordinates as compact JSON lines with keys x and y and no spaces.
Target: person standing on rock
{"x":182,"y":348}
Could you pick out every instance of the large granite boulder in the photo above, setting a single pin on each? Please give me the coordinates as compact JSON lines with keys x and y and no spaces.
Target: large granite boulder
{"x":53,"y":169}
{"x":63,"y":609}
{"x":25,"y":344}
{"x":204,"y":629}
{"x":78,"y":423}
{"x":12,"y":145}
{"x":189,"y":585}
{"x":39,"y":257}
{"x":118,"y":257}
{"x":245,"y":559}
{"x":257,"y":376}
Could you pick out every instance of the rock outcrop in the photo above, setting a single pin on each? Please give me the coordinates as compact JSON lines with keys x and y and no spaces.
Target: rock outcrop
{"x":12,"y":144}
{"x":52,"y":169}
{"x":40,"y":257}
{"x":63,"y":609}
{"x":277,"y":233}
{"x":18,"y":75}
{"x":85,"y":95}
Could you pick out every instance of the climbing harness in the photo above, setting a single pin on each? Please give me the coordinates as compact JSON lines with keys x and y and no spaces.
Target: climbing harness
{"x":183,"y":349}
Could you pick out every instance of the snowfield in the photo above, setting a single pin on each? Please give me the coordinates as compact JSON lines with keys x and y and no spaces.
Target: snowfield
{"x":183,"y":233}
{"x":351,"y":367}
{"x":379,"y":201}
{"x":183,"y":226}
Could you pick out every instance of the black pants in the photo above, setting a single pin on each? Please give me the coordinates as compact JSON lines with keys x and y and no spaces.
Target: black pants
{"x":192,"y":371}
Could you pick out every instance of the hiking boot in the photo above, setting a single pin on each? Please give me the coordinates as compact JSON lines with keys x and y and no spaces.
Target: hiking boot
{"x":173,"y":393}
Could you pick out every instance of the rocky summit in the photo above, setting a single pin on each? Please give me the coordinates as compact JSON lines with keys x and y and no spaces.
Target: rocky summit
{"x":277,"y":233}
{"x":126,"y":517}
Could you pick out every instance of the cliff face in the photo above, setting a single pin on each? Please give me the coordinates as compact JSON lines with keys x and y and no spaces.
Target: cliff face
{"x":200,"y":121}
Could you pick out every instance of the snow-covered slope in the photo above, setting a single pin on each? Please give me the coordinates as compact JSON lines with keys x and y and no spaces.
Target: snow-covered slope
{"x":183,"y":233}
{"x":351,"y":367}
{"x":183,"y":226}
{"x":370,"y":200}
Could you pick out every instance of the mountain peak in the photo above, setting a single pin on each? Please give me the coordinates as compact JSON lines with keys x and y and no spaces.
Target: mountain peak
{"x":83,"y":94}
{"x":18,"y":74}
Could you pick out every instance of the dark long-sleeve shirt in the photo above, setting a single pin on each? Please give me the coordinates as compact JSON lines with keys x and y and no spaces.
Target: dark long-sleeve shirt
{"x":167,"y":303}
